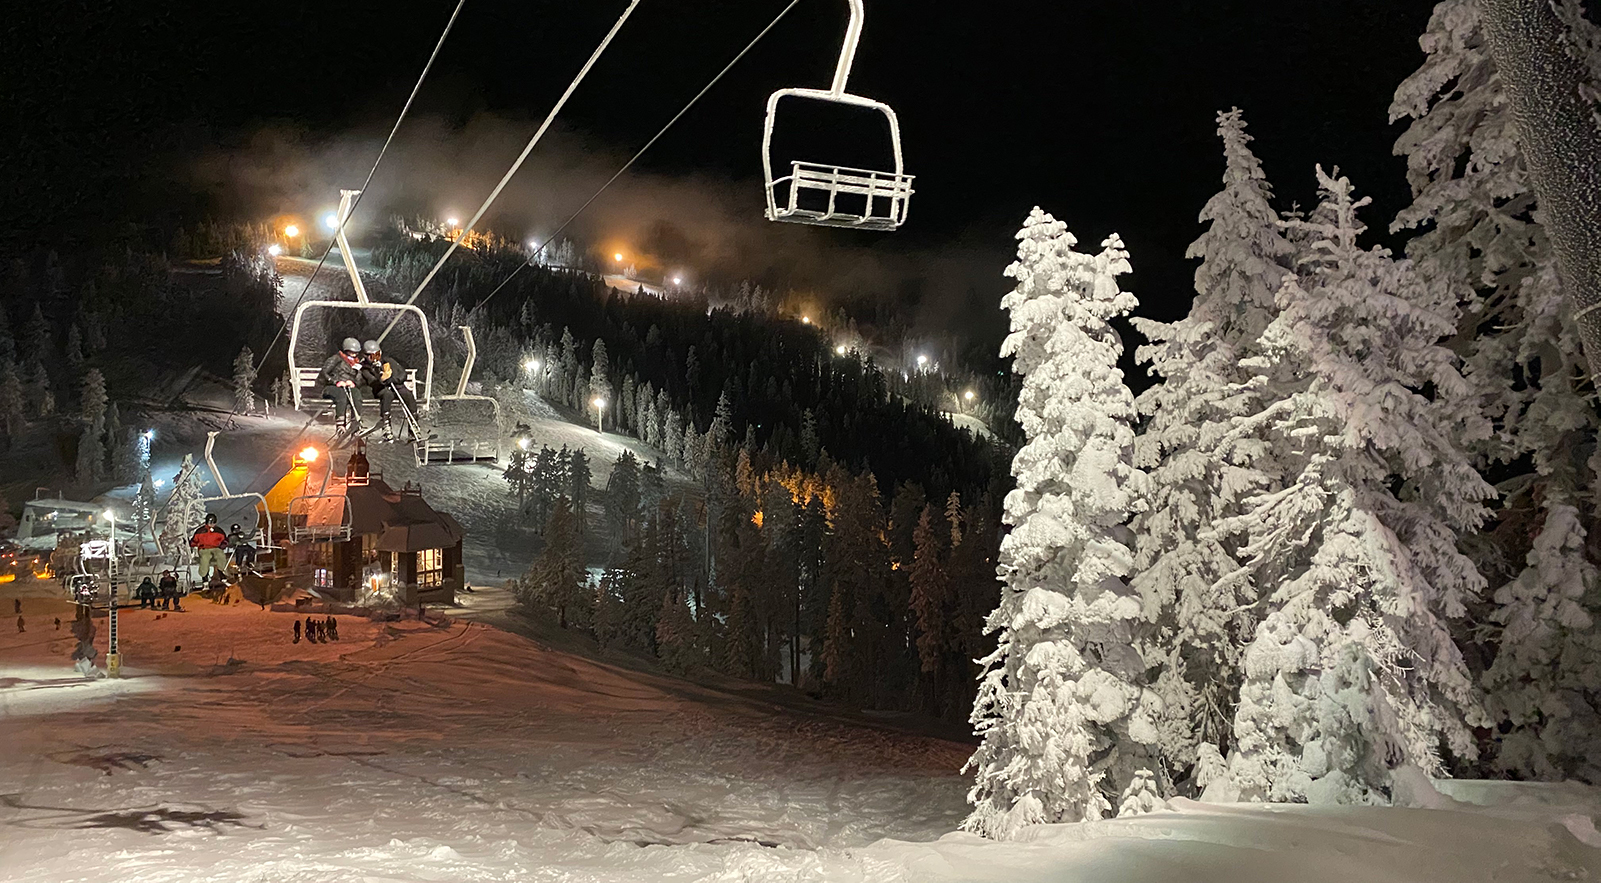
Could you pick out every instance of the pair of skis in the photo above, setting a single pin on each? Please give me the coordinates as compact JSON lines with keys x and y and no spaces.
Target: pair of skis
{"x":353,"y":429}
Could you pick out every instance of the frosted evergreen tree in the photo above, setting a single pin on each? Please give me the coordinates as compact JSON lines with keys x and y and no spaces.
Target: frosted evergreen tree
{"x":183,"y":511}
{"x":1064,"y":710}
{"x":1480,"y":233}
{"x":1198,"y":470}
{"x":599,"y":380}
{"x":91,"y":462}
{"x":1352,"y":671}
{"x":13,"y":403}
{"x":1549,"y":659}
{"x":244,"y":381}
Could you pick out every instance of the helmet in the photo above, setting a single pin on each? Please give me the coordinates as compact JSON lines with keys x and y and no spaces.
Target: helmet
{"x":235,"y":527}
{"x":351,"y":345}
{"x":370,"y":348}
{"x":210,"y":518}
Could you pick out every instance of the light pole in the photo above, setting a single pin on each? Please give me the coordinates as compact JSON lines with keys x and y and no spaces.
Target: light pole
{"x":113,"y":658}
{"x":600,"y":415}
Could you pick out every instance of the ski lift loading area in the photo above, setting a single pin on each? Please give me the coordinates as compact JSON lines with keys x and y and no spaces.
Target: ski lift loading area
{"x":833,"y":195}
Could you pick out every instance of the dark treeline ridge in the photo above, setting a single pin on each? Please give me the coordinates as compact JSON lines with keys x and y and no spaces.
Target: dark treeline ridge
{"x":777,"y":377}
{"x":771,"y":572}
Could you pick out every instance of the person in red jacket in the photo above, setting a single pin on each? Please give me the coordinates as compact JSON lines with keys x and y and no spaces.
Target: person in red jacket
{"x":209,"y":540}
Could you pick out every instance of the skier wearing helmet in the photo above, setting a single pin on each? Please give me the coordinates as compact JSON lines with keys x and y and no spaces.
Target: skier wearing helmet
{"x":386,"y":378}
{"x":244,"y":549}
{"x":208,"y":539}
{"x":340,"y":378}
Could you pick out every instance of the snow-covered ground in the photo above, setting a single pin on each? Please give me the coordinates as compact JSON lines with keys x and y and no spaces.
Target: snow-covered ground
{"x":411,"y":752}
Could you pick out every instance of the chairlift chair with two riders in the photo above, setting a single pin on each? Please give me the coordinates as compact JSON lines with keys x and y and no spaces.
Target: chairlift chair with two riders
{"x":828,"y":195}
{"x":305,"y":376}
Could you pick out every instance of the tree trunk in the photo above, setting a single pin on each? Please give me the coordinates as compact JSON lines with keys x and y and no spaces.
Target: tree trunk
{"x":1561,"y":141}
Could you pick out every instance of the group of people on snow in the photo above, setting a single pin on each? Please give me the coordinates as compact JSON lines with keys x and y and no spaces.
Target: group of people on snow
{"x":363,"y":367}
{"x":161,"y":595}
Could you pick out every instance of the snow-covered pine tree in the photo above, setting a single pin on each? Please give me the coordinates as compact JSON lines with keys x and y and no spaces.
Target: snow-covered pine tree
{"x":600,"y":380}
{"x":244,"y":382}
{"x":91,"y":463}
{"x":13,"y":404}
{"x":1479,"y":233}
{"x":1198,"y":471}
{"x":557,"y":579}
{"x":1352,"y":671}
{"x":1065,"y":713}
{"x":184,"y":511}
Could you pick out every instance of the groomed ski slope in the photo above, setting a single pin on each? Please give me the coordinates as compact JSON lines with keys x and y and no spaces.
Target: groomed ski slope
{"x":410,"y":752}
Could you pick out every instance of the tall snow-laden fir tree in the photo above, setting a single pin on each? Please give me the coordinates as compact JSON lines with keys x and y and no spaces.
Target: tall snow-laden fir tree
{"x":244,"y":381}
{"x":1352,"y":671}
{"x":1198,"y":471}
{"x":1481,"y":234}
{"x":599,"y":381}
{"x":1066,"y":715}
{"x":183,"y":511}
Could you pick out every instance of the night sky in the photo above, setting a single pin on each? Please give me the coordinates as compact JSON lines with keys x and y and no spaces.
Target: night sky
{"x":1101,"y":113}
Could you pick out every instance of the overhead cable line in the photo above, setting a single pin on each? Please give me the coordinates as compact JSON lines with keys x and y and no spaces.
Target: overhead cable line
{"x":626,"y":166}
{"x":339,"y":228}
{"x":517,"y":164}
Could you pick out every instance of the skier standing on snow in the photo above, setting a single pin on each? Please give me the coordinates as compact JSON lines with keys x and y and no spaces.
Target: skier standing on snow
{"x":168,"y":589}
{"x":209,"y":539}
{"x":386,"y":378}
{"x":146,"y":593}
{"x":340,"y":378}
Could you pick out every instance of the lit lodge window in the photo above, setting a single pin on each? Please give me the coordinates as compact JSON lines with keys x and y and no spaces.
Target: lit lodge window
{"x":430,"y":568}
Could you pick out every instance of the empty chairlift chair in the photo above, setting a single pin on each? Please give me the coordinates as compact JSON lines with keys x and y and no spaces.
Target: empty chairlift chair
{"x":465,"y":428}
{"x":831,"y":195}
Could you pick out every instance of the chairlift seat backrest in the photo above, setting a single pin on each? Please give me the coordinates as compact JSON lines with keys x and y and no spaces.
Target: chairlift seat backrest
{"x":830,"y":195}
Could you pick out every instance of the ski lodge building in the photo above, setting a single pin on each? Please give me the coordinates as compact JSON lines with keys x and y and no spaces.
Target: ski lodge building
{"x":356,"y":536}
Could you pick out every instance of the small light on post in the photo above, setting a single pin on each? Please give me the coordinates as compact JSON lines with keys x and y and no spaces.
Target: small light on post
{"x":922,"y":360}
{"x":453,"y":223}
{"x":806,"y":320}
{"x":840,"y":350}
{"x":292,"y":231}
{"x":678,"y":280}
{"x":275,"y":249}
{"x":600,"y":414}
{"x":618,"y":257}
{"x":331,"y":221}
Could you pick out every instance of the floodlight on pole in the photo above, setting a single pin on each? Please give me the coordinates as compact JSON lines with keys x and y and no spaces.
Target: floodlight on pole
{"x":292,"y":231}
{"x":600,"y":414}
{"x":275,"y":249}
{"x":331,"y":221}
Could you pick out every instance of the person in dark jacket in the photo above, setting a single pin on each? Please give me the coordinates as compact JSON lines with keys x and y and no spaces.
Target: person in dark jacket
{"x":244,"y":549}
{"x":146,"y":593}
{"x":341,"y":380}
{"x":386,"y":378}
{"x":168,"y":588}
